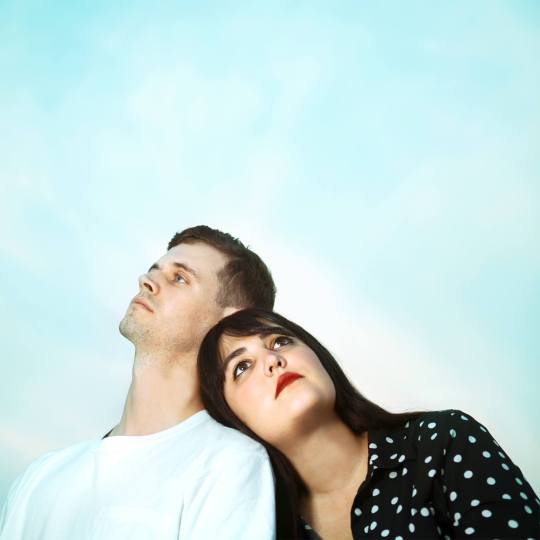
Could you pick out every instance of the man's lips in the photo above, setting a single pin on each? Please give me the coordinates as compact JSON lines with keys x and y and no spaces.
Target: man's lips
{"x":284,"y":380}
{"x":142,"y":303}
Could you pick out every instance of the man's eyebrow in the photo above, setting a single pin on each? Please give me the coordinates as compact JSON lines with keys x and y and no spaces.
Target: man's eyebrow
{"x":233,"y":355}
{"x":184,"y":266}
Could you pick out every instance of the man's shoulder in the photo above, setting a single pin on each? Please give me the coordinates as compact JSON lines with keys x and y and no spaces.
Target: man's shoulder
{"x":48,"y":463}
{"x":226,"y":439}
{"x":59,"y":456}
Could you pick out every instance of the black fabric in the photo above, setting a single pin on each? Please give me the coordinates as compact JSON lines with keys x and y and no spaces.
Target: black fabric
{"x":441,"y":475}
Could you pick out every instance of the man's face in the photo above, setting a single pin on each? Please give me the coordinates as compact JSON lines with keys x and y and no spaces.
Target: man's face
{"x":176,"y":304}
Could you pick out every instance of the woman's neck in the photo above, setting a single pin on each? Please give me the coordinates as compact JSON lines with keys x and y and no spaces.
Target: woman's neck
{"x":329,"y":459}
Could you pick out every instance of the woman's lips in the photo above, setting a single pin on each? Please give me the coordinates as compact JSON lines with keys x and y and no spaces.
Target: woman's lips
{"x":284,"y":380}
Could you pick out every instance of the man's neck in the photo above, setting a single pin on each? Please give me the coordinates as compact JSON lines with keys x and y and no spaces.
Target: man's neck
{"x":163,"y":393}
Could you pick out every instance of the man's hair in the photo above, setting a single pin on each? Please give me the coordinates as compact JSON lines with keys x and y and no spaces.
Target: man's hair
{"x":245,"y":280}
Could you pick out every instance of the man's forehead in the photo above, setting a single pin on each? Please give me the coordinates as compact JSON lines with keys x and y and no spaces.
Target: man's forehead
{"x":201,"y":257}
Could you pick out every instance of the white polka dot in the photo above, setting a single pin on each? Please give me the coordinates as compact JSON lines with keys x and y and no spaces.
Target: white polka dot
{"x":523,"y":495}
{"x":399,"y":509}
{"x":486,"y":454}
{"x":411,"y":527}
{"x":404,"y":471}
{"x":528,"y":509}
{"x":374,"y":457}
{"x":469,"y":530}
{"x":394,"y":500}
{"x":389,"y":440}
{"x":518,"y":480}
{"x":414,"y":491}
{"x":463,"y":417}
{"x":483,"y":429}
{"x":453,"y":433}
{"x":491,"y":481}
{"x":501,"y":454}
{"x":432,"y":473}
{"x":374,"y":509}
{"x":385,"y":533}
{"x":372,"y":445}
{"x":472,"y":439}
{"x":393,"y":474}
{"x":505,"y":466}
{"x":366,"y":528}
{"x":407,"y":424}
{"x":424,"y":512}
{"x":307,"y":527}
{"x":444,"y":488}
{"x":421,"y":423}
{"x":431,"y":425}
{"x":506,"y":496}
{"x":373,"y":525}
{"x":375,"y":492}
{"x":401,"y":458}
{"x":457,"y":517}
{"x":433,"y":437}
{"x":442,"y":471}
{"x":513,"y":524}
{"x":467,"y":474}
{"x":419,"y":437}
{"x":453,"y":496}
{"x":357,"y":511}
{"x":457,"y":458}
{"x":393,"y":456}
{"x":475,"y":502}
{"x":486,"y":513}
{"x":399,"y":538}
{"x":428,"y":459}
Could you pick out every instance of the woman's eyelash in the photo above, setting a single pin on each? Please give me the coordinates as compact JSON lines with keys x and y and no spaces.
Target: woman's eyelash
{"x":281,"y":341}
{"x":236,"y":374}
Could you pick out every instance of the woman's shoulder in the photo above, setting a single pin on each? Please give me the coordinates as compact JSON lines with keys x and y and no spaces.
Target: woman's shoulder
{"x":449,"y":431}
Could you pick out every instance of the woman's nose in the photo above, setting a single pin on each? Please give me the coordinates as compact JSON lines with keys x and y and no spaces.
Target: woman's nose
{"x":273,"y":361}
{"x":148,"y":285}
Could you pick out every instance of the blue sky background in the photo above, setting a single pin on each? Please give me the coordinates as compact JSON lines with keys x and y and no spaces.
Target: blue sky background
{"x":382,"y":157}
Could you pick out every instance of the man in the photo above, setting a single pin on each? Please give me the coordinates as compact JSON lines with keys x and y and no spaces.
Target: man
{"x":167,"y":470}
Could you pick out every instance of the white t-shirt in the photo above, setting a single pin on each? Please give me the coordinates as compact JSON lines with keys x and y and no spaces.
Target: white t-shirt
{"x":197,"y":480}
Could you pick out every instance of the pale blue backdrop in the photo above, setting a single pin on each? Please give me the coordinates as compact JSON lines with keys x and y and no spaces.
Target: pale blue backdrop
{"x":383,"y":157}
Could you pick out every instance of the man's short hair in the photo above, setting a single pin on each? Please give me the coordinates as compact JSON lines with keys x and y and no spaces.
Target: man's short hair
{"x":245,"y":280}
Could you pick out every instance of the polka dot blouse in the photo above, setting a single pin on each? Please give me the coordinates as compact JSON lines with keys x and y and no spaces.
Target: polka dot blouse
{"x":441,"y":475}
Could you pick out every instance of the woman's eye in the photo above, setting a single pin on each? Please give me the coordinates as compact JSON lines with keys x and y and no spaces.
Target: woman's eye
{"x":281,"y":341}
{"x":179,"y":278}
{"x":240,"y":368}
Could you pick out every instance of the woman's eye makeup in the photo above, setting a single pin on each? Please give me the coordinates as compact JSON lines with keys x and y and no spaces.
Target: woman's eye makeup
{"x":240,"y":368}
{"x":280,"y":341}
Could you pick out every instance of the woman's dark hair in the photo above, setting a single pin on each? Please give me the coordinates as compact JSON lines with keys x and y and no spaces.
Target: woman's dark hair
{"x":357,"y":412}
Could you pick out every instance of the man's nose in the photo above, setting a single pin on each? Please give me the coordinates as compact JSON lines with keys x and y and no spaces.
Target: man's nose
{"x":148,"y":285}
{"x":273,"y":361}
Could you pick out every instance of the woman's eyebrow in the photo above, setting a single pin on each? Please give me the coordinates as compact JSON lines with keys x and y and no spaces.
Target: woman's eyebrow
{"x":232,"y":355}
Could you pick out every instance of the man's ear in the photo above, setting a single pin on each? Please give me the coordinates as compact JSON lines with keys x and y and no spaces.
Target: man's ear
{"x":229,"y":310}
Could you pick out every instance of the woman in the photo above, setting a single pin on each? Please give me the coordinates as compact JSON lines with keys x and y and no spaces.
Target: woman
{"x":346,"y":468}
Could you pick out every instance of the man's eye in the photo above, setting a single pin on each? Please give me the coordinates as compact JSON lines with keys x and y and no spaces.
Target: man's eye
{"x":240,"y":368}
{"x":281,"y":341}
{"x":179,"y":278}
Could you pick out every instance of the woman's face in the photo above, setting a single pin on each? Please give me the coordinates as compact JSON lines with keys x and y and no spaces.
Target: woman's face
{"x":276,"y":385}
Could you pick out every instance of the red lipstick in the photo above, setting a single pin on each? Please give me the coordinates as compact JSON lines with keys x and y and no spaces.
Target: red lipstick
{"x":285,"y":379}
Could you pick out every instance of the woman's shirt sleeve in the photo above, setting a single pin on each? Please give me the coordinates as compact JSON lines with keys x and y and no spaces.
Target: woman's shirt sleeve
{"x":486,"y":494}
